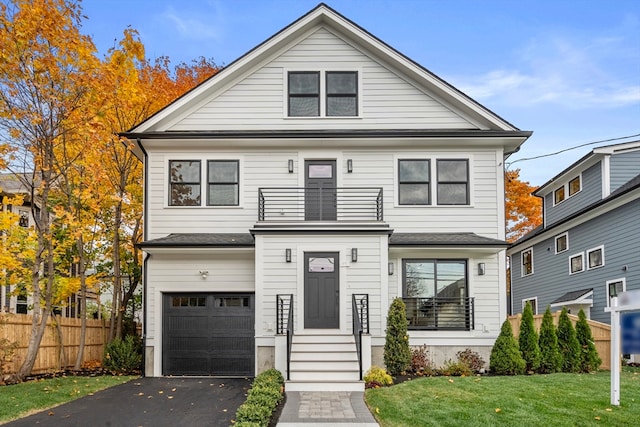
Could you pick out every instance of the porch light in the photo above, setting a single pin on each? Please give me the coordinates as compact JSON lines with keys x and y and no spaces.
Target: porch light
{"x":354,"y":254}
{"x":349,"y":165}
{"x":290,"y":165}
{"x":390,"y":269}
{"x":481,"y":269}
{"x":287,"y":255}
{"x":204,"y":274}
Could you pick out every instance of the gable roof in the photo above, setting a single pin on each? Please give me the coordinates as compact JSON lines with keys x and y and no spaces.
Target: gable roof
{"x":582,"y":296}
{"x":323,"y":16}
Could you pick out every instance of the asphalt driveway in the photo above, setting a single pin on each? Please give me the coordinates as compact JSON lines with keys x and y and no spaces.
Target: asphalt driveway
{"x":150,"y":402}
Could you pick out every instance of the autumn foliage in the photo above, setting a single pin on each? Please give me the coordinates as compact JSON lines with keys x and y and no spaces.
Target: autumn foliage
{"x":523,"y":209}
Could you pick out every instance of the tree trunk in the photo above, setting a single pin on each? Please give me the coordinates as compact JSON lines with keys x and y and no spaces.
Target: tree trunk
{"x":63,"y":356}
{"x":83,"y":303}
{"x":115,"y":330}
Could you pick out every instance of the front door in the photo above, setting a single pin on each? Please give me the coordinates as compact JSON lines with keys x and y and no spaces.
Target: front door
{"x":321,"y":290}
{"x":320,"y":190}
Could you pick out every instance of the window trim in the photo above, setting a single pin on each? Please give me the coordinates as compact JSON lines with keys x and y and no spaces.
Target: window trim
{"x":558,"y":237}
{"x":322,"y":112}
{"x":522,"y":273}
{"x":606,"y":289}
{"x":589,"y":251}
{"x":581,"y":255}
{"x":524,"y":302}
{"x":236,"y":183}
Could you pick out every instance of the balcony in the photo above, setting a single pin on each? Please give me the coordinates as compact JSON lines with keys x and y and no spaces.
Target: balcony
{"x":299,"y":204}
{"x":440,"y":313}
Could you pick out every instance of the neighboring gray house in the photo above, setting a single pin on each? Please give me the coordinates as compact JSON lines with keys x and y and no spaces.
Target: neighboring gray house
{"x":589,"y":238}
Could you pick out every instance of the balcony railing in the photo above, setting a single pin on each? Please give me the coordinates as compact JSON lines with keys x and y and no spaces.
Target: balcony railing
{"x":320,"y":204}
{"x":440,"y":313}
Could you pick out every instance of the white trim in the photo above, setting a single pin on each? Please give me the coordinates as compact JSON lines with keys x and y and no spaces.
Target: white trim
{"x":581,"y":255}
{"x":555,"y":241}
{"x":525,"y":300}
{"x":522,"y":273}
{"x":606,"y":288}
{"x":606,"y":175}
{"x":566,"y":187}
{"x":569,"y":195}
{"x":586,"y":299}
{"x":601,"y":248}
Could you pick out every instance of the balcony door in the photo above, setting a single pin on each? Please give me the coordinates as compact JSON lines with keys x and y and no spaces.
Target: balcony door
{"x":320,"y":190}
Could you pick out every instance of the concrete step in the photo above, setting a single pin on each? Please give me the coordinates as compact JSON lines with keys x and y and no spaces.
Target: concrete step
{"x":316,"y":375}
{"x":323,"y":347}
{"x":315,"y":356}
{"x":324,"y":386}
{"x":323,"y":338}
{"x":325,"y":366}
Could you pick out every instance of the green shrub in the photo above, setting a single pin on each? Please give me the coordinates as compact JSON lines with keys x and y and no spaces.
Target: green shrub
{"x":397,"y":355}
{"x":123,"y":356}
{"x":528,"y":341}
{"x":377,"y":376}
{"x":246,"y":424}
{"x":568,"y":344}
{"x":472,"y":359}
{"x":550,"y":359}
{"x":254,"y":413}
{"x":420,"y":361}
{"x":505,"y":356}
{"x":456,"y":369}
{"x":262,"y":399}
{"x":589,"y":360}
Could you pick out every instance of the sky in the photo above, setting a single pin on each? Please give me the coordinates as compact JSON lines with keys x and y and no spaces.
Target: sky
{"x":568,"y":70}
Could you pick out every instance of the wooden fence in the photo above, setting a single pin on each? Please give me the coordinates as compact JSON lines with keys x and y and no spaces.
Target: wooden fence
{"x":601,"y":334}
{"x":59,"y":346}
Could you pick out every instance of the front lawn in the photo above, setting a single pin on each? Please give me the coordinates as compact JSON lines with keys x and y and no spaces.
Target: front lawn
{"x":537,"y":400}
{"x":20,"y":400}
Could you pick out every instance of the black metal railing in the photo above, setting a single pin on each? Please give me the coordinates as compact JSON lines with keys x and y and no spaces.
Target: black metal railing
{"x":320,"y":204}
{"x":360,"y":320}
{"x":284,"y":323}
{"x":440,"y":313}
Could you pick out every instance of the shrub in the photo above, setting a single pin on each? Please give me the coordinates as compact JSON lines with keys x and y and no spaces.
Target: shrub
{"x":124,"y":356}
{"x":456,"y":369}
{"x":262,"y":399}
{"x":472,"y":359}
{"x":420,"y":361}
{"x":505,"y":356}
{"x":589,"y":360}
{"x":568,"y":344}
{"x":550,"y":359}
{"x":528,"y":340}
{"x":254,"y":413}
{"x":377,"y":376}
{"x":397,"y":355}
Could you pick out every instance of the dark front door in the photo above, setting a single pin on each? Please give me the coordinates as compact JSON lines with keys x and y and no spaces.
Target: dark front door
{"x":320,"y":193}
{"x":321,"y":290}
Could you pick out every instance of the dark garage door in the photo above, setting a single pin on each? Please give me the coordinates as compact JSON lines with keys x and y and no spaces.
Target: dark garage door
{"x":208,"y":334}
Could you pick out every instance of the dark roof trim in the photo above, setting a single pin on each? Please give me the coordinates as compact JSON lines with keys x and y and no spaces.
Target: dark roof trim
{"x":200,"y":240}
{"x":573,"y":296}
{"x":445,"y":239}
{"x":331,"y":133}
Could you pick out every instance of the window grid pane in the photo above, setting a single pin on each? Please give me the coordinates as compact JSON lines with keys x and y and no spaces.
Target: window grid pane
{"x":223,"y":183}
{"x":453,"y":182}
{"x":184,"y":183}
{"x":413,"y":182}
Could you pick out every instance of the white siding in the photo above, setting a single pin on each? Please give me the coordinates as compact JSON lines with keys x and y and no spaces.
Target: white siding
{"x":258,"y":100}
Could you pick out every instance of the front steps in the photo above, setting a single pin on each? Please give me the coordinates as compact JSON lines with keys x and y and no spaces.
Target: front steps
{"x":324,"y":363}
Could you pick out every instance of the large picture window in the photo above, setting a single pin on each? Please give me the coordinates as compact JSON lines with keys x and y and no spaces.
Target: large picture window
{"x":184,"y":183}
{"x":435,"y":294}
{"x":222,"y":183}
{"x":453,"y":182}
{"x":413,"y":181}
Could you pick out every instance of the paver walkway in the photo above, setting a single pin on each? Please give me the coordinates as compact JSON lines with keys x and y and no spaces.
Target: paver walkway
{"x":315,"y":409}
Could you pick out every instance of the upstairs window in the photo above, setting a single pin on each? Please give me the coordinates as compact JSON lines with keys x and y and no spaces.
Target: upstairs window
{"x":413,"y":182}
{"x":184,"y":183}
{"x":453,"y":182}
{"x":574,"y":186}
{"x":342,"y":93}
{"x":558,"y":195}
{"x":222,"y":183}
{"x":567,"y":190}
{"x":562,"y":243}
{"x":304,"y":94}
{"x":322,"y":93}
{"x":595,"y":257}
{"x":527,"y":262}
{"x":576,"y":263}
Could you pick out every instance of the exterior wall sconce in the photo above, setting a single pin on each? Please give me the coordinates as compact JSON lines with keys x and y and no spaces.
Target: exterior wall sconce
{"x":391,"y":269}
{"x":349,"y":166}
{"x":481,"y":270}
{"x":354,"y":254}
{"x":204,"y":274}
{"x":290,"y":164}
{"x":287,"y":255}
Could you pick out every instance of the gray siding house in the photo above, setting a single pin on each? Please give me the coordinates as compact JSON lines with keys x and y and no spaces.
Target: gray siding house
{"x":588,"y":239}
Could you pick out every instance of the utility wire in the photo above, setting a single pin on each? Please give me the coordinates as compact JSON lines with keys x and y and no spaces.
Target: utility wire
{"x":508,"y":164}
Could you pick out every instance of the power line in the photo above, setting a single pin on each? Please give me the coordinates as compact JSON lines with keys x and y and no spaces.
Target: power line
{"x":508,"y":164}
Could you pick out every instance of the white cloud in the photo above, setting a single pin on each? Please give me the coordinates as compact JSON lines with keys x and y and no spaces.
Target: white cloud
{"x":192,"y":27}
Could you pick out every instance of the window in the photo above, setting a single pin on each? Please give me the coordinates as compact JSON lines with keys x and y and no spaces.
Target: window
{"x":222,"y":183}
{"x":558,"y":195}
{"x":413,"y":182}
{"x":621,"y":286}
{"x":185,"y":301}
{"x":595,"y":257}
{"x":342,"y":93}
{"x":562,"y":243}
{"x":23,"y":220}
{"x":231,"y":302}
{"x":453,"y":182}
{"x":576,"y":263}
{"x":527,"y":262}
{"x":21,"y":303}
{"x":184,"y":182}
{"x":304,"y":94}
{"x":435,"y":293}
{"x":574,"y":186}
{"x":533,"y":302}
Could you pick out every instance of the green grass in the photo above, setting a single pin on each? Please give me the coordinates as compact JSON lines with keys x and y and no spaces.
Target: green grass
{"x":20,"y":400}
{"x":537,"y":400}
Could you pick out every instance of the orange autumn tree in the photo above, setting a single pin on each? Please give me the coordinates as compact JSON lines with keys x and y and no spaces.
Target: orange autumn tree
{"x":523,"y":210}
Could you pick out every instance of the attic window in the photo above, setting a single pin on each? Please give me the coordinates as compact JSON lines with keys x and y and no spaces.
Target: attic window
{"x":322,"y":93}
{"x":304,"y":94}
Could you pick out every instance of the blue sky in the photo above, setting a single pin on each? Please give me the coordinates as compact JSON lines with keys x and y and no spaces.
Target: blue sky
{"x":568,"y":70}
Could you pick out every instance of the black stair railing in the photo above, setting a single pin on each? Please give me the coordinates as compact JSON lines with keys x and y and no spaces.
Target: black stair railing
{"x":284,"y":323}
{"x":360,"y":321}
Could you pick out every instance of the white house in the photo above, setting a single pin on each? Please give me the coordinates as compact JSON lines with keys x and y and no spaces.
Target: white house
{"x":304,"y":187}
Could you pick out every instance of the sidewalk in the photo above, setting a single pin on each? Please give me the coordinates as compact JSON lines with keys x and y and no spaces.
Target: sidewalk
{"x":317,"y":409}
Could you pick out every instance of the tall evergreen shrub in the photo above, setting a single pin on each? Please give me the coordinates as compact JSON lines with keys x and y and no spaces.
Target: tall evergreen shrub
{"x":528,"y":340}
{"x":568,"y":344}
{"x":505,"y":356}
{"x":589,"y":359}
{"x":550,"y":359}
{"x":397,"y":355}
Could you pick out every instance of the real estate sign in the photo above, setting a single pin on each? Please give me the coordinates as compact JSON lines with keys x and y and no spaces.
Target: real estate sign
{"x":630,"y":323}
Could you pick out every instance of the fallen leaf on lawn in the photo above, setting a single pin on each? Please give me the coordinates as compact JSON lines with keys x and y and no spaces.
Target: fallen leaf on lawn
{"x":450,"y":380}
{"x":377,"y":410}
{"x":51,"y":413}
{"x":609,"y":410}
{"x":498,"y":410}
{"x":140,"y":394}
{"x":597,"y":418}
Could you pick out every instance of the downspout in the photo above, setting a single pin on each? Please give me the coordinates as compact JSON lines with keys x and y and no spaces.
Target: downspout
{"x":145,"y":204}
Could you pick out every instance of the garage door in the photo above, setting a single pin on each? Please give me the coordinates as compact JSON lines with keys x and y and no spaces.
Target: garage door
{"x":208,"y":334}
